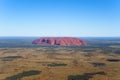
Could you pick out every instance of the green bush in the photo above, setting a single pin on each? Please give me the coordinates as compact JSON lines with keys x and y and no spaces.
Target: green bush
{"x":23,"y":74}
{"x":56,"y":64}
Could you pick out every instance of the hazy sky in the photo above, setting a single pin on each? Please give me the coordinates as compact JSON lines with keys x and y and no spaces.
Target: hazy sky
{"x":60,"y":18}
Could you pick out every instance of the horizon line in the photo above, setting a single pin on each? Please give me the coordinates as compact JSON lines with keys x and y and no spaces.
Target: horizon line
{"x":59,"y":36}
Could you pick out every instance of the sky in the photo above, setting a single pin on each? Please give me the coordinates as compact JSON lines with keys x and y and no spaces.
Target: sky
{"x":60,"y":18}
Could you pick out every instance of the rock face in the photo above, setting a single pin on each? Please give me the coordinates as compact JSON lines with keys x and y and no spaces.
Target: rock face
{"x":62,"y":41}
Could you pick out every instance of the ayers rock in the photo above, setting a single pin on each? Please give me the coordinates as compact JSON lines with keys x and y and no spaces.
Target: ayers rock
{"x":62,"y":41}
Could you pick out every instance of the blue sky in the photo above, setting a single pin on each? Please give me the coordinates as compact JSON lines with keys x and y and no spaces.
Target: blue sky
{"x":79,"y":18}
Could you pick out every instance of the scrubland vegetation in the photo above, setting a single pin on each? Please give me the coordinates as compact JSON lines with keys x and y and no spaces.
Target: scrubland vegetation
{"x":58,"y":64}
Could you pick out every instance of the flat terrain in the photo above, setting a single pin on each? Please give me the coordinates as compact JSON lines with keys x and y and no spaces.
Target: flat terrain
{"x":60,"y":63}
{"x":21,"y":60}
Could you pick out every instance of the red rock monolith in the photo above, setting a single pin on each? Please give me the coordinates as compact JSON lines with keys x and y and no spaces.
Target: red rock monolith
{"x":62,"y":41}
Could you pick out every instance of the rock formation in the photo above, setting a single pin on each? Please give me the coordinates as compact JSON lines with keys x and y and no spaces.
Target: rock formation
{"x":62,"y":41}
